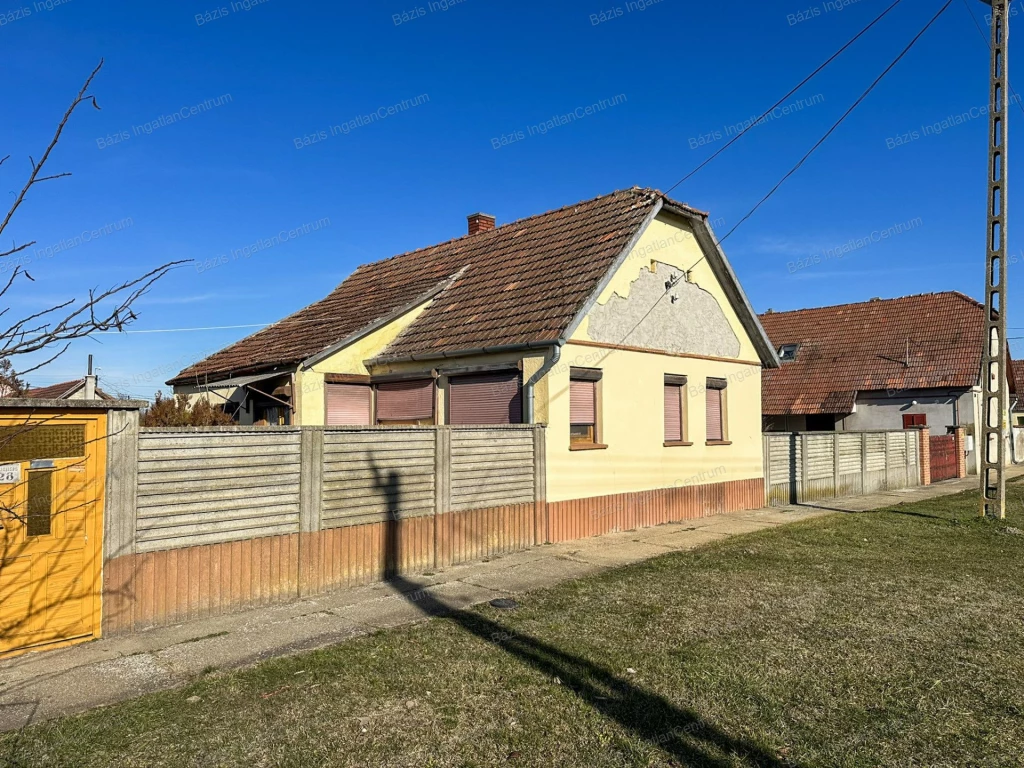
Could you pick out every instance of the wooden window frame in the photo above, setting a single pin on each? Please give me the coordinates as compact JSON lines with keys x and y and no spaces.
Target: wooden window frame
{"x":595,"y":443}
{"x":722,"y":387}
{"x":679,"y":382}
{"x":915,"y":420}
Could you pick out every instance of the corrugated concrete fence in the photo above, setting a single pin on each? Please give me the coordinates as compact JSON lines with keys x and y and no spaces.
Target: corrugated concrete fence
{"x":808,"y":466}
{"x":201,"y":521}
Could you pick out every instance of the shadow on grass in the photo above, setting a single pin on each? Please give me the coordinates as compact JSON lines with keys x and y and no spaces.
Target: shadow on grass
{"x":679,"y":732}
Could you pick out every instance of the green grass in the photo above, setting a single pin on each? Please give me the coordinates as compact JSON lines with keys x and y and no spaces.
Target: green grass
{"x":889,"y":638}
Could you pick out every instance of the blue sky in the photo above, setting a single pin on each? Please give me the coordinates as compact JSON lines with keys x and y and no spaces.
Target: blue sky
{"x":267,"y":78}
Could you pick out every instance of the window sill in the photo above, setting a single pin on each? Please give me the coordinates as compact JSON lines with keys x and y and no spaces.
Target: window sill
{"x":677,"y":444}
{"x":718,"y":442}
{"x":587,"y":447}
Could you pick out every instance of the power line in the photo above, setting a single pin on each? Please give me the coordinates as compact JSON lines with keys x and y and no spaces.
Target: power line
{"x":840,"y":121}
{"x":988,"y":44}
{"x":800,"y":85}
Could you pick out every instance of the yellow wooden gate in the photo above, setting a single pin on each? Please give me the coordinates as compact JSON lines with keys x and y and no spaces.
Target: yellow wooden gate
{"x":52,"y":477}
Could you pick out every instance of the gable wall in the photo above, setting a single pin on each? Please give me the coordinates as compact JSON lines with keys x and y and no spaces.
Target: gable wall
{"x":311,"y":394}
{"x":632,"y":408}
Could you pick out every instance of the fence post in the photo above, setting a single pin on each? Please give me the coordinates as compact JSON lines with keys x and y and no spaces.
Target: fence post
{"x":888,"y":461}
{"x":311,"y":487}
{"x":801,"y":492}
{"x":924,"y":456}
{"x":119,"y":520}
{"x":540,"y":485}
{"x":767,"y":453}
{"x":835,"y":465}
{"x":959,"y":437}
{"x":443,"y":522}
{"x":863,"y":462}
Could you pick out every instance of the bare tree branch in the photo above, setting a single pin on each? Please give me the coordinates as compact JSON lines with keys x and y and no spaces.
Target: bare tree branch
{"x":38,"y":167}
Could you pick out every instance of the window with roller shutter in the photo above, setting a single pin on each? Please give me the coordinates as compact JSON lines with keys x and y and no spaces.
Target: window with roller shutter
{"x":675,"y":405}
{"x":716,"y":431}
{"x":405,"y":402}
{"x":584,"y":427}
{"x":349,"y":405}
{"x":486,"y":398}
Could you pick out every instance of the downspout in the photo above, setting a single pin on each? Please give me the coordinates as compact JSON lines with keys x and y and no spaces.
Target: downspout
{"x":556,"y":355}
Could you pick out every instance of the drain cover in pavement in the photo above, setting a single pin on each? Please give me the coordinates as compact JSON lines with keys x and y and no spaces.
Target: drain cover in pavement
{"x":504,"y":604}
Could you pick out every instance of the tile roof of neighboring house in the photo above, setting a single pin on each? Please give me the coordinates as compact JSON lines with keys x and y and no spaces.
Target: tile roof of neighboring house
{"x":851,"y":348}
{"x":62,"y":390}
{"x":521,"y":283}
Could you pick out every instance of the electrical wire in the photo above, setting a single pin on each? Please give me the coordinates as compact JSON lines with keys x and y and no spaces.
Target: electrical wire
{"x":841,"y":120}
{"x":796,"y":88}
{"x":988,"y":44}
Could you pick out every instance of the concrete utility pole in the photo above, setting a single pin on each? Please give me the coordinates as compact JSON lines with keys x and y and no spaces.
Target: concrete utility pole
{"x":996,"y":395}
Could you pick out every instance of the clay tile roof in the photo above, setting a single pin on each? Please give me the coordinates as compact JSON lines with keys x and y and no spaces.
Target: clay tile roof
{"x":853,"y":348}
{"x":62,"y":390}
{"x":520,"y":283}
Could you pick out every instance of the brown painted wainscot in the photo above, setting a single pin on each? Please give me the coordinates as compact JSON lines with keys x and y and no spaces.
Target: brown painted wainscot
{"x":219,"y":520}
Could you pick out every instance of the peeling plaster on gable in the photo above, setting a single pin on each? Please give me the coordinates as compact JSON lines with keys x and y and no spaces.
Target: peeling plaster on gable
{"x":693,"y":324}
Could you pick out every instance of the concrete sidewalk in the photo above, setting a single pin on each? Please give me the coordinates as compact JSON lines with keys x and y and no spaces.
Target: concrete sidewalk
{"x":39,"y":686}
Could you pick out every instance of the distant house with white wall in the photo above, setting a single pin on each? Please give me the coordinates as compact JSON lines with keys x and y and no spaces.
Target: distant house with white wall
{"x":880,"y":364}
{"x":617,"y":322}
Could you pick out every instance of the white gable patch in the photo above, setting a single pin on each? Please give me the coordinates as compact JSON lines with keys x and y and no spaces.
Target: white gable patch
{"x":683,"y":318}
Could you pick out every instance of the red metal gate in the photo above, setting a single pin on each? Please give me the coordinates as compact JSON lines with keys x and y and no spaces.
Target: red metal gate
{"x":944,"y":458}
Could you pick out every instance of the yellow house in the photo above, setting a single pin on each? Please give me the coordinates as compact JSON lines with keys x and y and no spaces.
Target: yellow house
{"x":617,"y":322}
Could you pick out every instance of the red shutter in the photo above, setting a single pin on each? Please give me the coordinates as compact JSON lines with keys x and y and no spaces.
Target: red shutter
{"x":914,"y":420}
{"x":349,"y":405}
{"x":714,"y":414}
{"x":582,"y":402}
{"x":673,"y":413}
{"x":488,"y":398}
{"x":405,"y":400}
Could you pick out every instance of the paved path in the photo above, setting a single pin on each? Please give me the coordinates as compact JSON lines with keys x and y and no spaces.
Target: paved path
{"x":38,"y":686}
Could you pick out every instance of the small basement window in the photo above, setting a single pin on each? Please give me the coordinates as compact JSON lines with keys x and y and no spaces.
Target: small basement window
{"x":787,"y":352}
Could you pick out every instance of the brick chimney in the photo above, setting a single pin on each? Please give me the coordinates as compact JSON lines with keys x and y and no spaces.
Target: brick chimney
{"x":480,"y":222}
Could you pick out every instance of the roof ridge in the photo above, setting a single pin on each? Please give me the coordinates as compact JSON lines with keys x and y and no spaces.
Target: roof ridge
{"x":868,"y":302}
{"x":646,"y":190}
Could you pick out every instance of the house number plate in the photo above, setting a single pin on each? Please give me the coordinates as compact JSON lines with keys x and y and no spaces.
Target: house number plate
{"x":10,"y":473}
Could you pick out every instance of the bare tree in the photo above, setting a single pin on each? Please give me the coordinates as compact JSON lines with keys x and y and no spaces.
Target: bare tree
{"x":52,"y":330}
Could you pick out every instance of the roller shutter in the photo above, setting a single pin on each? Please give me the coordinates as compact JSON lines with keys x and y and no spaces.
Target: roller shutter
{"x":349,"y":405}
{"x":487,"y":398}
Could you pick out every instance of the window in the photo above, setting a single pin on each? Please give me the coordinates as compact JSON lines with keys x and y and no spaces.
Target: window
{"x":675,"y":410}
{"x":584,"y":427}
{"x":486,"y":398}
{"x":914,"y":420}
{"x":716,"y":412}
{"x":349,"y":405}
{"x":787,"y":352}
{"x":39,"y":517}
{"x":406,"y":402}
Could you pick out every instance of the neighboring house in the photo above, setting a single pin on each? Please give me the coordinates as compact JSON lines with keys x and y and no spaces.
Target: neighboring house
{"x":1018,"y":411}
{"x":880,"y":364}
{"x":618,"y":322}
{"x":84,"y":388}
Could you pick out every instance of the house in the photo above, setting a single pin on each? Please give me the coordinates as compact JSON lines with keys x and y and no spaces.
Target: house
{"x":1018,"y":411}
{"x":880,"y":364}
{"x":617,"y":322}
{"x":84,"y":388}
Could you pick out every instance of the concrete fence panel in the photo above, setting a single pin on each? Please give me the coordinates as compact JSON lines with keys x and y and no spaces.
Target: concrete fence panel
{"x":809,"y":466}
{"x":199,"y":487}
